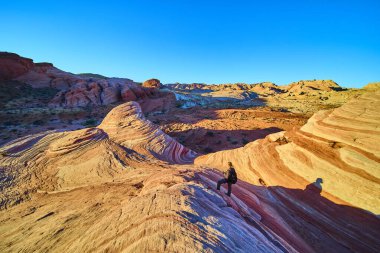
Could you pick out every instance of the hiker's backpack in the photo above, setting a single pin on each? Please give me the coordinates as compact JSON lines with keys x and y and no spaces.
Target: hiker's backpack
{"x":232,"y":176}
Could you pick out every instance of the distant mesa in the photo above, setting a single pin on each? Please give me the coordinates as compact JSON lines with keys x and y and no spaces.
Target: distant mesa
{"x":12,"y":65}
{"x":312,"y":85}
{"x":88,"y":89}
{"x":80,"y":90}
{"x":372,"y":86}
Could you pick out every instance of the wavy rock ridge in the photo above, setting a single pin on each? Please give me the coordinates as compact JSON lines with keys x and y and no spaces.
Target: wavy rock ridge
{"x":127,"y":126}
{"x":108,"y":189}
{"x":340,"y":146}
{"x":66,"y":160}
{"x":152,"y":210}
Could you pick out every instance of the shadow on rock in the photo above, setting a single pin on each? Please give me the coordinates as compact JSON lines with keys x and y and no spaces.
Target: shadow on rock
{"x":323,"y":225}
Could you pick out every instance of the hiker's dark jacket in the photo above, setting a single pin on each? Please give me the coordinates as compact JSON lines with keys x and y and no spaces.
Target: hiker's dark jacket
{"x":229,"y":173}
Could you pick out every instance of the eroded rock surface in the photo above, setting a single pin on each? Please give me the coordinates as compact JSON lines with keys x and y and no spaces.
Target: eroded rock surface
{"x":340,"y":146}
{"x":76,"y":90}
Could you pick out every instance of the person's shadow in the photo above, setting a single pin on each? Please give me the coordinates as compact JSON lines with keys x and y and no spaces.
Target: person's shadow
{"x":315,"y":188}
{"x":323,"y":224}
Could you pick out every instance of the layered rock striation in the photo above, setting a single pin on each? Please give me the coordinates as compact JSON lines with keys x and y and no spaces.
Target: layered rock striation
{"x":339,"y":146}
{"x":64,"y":160}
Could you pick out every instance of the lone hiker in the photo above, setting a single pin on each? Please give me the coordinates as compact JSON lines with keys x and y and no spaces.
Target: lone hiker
{"x":230,"y":177}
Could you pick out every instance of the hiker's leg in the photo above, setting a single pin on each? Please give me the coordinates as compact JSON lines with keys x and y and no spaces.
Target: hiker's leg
{"x":229,"y":189}
{"x":221,"y":181}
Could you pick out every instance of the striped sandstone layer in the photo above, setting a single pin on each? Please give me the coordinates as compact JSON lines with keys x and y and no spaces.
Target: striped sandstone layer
{"x":339,"y":146}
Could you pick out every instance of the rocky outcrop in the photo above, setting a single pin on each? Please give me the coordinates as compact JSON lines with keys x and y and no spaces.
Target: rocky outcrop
{"x":372,"y":86}
{"x":312,"y":85}
{"x":13,"y":65}
{"x":339,"y":146}
{"x":38,"y":75}
{"x":127,"y":126}
{"x":76,"y":90}
{"x":152,"y":83}
{"x":115,"y":188}
{"x":148,"y":209}
{"x":67,"y":160}
{"x":101,"y":92}
{"x":265,"y":88}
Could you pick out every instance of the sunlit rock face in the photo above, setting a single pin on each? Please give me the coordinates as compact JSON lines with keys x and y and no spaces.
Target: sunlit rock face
{"x":101,"y":92}
{"x":152,"y":83}
{"x":339,"y":146}
{"x":312,"y":85}
{"x":127,"y":126}
{"x":76,"y":90}
{"x":149,"y":209}
{"x":122,"y":186}
{"x":65,"y":160}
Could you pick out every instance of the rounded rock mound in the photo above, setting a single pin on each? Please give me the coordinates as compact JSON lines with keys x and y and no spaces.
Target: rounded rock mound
{"x":127,"y":126}
{"x":152,"y":83}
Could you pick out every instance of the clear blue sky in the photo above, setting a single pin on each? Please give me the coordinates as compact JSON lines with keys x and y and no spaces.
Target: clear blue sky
{"x":200,"y":40}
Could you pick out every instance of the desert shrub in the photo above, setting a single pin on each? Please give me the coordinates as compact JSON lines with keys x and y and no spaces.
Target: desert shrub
{"x":244,"y":141}
{"x":218,"y":142}
{"x":234,"y":142}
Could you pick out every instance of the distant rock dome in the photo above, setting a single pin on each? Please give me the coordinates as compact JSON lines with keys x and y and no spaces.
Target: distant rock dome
{"x":152,"y":83}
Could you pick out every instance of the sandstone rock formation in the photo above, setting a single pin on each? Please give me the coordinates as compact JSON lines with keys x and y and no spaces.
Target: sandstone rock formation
{"x":152,"y":83}
{"x":312,"y":85}
{"x":112,"y":188}
{"x":126,"y":186}
{"x":372,"y":86}
{"x":340,"y":146}
{"x":109,"y":188}
{"x":305,"y":96}
{"x":148,"y":209}
{"x":127,"y":126}
{"x":96,"y":154}
{"x":77,"y":90}
{"x":12,"y":66}
{"x":104,"y":92}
